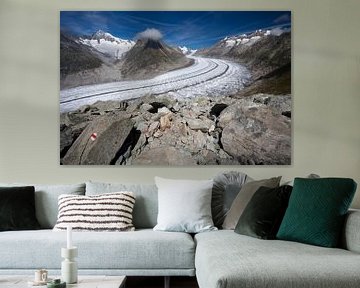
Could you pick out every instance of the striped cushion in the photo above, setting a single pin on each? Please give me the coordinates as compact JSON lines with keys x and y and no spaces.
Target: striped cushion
{"x":105,"y":212}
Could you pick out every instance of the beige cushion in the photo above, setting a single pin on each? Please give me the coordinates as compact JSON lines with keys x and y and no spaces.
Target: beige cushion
{"x":243,"y":198}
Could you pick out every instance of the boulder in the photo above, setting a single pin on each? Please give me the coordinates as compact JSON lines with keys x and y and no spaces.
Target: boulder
{"x":199,"y":124}
{"x":199,"y":140}
{"x":139,"y":146}
{"x":165,"y":122}
{"x":111,"y":133}
{"x":133,"y":105}
{"x":66,"y":139}
{"x":152,"y":128}
{"x":107,"y":106}
{"x":228,"y":114}
{"x":257,"y":135}
{"x":163,"y":111}
{"x":164,"y":156}
{"x":145,"y":107}
{"x":207,"y":157}
{"x":74,"y":118}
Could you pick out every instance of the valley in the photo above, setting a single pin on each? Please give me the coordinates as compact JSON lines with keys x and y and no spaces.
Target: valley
{"x":206,"y":77}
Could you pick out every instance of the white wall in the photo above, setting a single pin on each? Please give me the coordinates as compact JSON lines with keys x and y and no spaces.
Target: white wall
{"x":326,"y":89}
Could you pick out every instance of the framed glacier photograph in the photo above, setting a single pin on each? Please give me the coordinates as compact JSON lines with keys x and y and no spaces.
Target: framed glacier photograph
{"x":175,"y":88}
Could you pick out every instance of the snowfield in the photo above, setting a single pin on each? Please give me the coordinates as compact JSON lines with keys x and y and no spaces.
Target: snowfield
{"x":206,"y":77}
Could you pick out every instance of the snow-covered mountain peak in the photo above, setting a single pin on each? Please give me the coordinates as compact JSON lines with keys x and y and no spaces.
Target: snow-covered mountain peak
{"x":108,"y":44}
{"x":101,"y":35}
{"x":245,"y":39}
{"x":187,"y":51}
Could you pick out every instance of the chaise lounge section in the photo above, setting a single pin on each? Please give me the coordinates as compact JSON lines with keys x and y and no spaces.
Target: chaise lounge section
{"x":225,"y":259}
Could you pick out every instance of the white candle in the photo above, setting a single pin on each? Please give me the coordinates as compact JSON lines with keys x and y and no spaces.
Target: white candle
{"x":69,"y":239}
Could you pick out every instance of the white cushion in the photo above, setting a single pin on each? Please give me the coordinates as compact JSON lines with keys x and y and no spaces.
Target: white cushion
{"x":184,"y":205}
{"x":105,"y":212}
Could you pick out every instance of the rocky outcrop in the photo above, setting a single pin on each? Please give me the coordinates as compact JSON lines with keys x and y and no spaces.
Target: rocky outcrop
{"x":256,"y":135}
{"x":165,"y":156}
{"x":100,"y":142}
{"x":161,"y":130}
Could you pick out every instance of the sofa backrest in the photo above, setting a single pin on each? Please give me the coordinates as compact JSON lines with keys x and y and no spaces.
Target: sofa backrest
{"x":146,"y":203}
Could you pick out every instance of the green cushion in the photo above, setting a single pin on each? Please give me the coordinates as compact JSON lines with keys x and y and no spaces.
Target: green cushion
{"x":17,"y":208}
{"x":263,"y":215}
{"x":316,"y":211}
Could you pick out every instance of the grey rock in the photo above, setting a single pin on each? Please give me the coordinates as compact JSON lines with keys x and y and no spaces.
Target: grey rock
{"x":111,"y":132}
{"x":199,"y":140}
{"x":139,"y":145}
{"x":228,"y":114}
{"x":212,"y":128}
{"x":165,"y":122}
{"x":262,"y":99}
{"x":133,"y":105}
{"x":74,"y":118}
{"x":107,"y":106}
{"x":257,"y":136}
{"x":176,"y":107}
{"x":145,"y":107}
{"x":84,"y":109}
{"x":207,"y":158}
{"x":163,"y":111}
{"x":158,"y":134}
{"x":199,"y":124}
{"x":66,"y":139}
{"x":123,"y":158}
{"x":142,"y":126}
{"x":152,"y":128}
{"x":165,"y":156}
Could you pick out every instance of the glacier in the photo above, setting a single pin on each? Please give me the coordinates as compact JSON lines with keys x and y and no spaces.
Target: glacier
{"x":206,"y":77}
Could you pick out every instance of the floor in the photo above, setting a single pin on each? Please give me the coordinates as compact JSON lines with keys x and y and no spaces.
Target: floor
{"x":158,"y":282}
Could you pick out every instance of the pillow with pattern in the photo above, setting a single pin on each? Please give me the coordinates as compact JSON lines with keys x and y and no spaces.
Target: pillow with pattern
{"x":105,"y":212}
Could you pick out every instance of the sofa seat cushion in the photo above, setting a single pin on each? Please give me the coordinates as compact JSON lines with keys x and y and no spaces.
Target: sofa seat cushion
{"x":225,"y":259}
{"x":142,"y":249}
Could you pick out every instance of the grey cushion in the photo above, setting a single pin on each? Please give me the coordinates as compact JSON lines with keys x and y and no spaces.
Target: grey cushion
{"x":184,"y":205}
{"x":225,"y":259}
{"x":46,"y":200}
{"x":226,"y":187}
{"x":146,"y":204}
{"x":144,"y":249}
{"x":351,"y":234}
{"x":243,"y":198}
{"x":310,"y":176}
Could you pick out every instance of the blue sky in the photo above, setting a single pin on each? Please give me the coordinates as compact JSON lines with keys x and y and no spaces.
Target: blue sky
{"x":195,"y":29}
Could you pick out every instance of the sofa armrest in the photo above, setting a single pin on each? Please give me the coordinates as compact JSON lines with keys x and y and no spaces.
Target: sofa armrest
{"x":351,"y":234}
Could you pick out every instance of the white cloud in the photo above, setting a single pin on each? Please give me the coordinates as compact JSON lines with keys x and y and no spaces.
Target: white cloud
{"x":277,"y":31}
{"x":150,"y":33}
{"x":283,"y":18}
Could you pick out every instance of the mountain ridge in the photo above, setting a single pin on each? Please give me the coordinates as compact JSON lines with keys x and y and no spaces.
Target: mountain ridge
{"x":149,"y":57}
{"x":107,"y":44}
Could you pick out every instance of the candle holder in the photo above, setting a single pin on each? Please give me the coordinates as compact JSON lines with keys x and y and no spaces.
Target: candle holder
{"x":68,"y":265}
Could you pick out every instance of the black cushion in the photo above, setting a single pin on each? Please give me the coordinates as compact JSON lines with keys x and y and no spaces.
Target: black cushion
{"x":263,"y":215}
{"x":17,"y":208}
